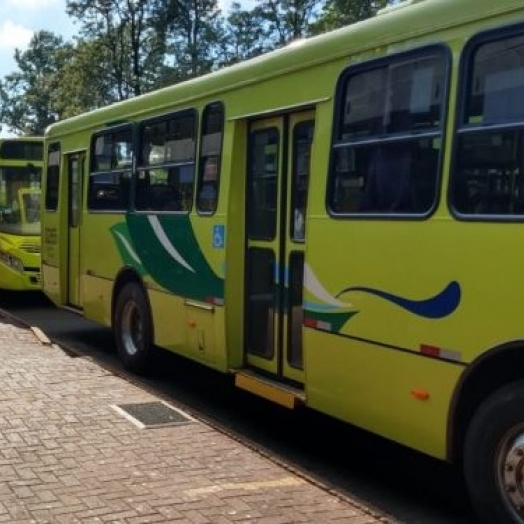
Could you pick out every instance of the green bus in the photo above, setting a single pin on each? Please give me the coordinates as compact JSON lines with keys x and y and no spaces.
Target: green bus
{"x":335,"y":224}
{"x":21,"y":161}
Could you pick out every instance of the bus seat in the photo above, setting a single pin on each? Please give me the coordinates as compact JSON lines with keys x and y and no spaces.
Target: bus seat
{"x":388,"y":186}
{"x":162,"y":197}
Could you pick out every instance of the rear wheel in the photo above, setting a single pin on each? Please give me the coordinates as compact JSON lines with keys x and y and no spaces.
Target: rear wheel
{"x":494,"y":457}
{"x":133,"y":328}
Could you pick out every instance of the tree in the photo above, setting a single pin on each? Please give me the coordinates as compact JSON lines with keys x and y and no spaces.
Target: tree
{"x":27,"y":95}
{"x":192,"y":31}
{"x":289,"y":20}
{"x":340,"y":13}
{"x":125,"y":33}
{"x":84,"y":84}
{"x":243,"y":35}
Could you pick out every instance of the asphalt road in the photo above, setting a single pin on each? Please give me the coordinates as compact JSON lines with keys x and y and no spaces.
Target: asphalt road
{"x":405,"y":485}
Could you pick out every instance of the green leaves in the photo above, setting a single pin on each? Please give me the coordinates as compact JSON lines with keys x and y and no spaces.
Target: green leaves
{"x":129,"y":47}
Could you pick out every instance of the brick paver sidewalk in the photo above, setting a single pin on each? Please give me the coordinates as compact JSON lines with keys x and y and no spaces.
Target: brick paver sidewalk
{"x":67,"y":456}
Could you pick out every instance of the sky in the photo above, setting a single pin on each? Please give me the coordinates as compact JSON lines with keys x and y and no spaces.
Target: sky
{"x":20,"y":19}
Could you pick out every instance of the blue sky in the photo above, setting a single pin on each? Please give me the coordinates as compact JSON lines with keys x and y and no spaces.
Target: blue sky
{"x":19,"y":19}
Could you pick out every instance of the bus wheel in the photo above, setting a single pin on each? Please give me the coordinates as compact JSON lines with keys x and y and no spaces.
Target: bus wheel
{"x":494,"y":457}
{"x":132,"y":328}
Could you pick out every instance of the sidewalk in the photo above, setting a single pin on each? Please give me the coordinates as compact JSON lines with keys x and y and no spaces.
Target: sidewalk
{"x":68,"y":455}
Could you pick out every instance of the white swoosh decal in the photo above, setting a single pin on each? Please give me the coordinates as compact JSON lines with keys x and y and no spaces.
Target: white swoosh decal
{"x":127,"y":245}
{"x":312,"y":284}
{"x":162,"y":238}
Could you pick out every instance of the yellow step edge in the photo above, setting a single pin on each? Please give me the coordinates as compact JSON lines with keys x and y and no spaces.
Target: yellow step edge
{"x":277,"y":393}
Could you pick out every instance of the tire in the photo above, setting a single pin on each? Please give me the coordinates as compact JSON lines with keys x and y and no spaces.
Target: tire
{"x":133,"y":329}
{"x":494,"y":457}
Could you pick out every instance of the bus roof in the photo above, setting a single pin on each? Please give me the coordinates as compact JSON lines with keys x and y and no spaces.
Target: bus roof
{"x":410,"y":20}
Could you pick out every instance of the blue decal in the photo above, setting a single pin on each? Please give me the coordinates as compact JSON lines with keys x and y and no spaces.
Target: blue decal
{"x":219,"y":236}
{"x":439,"y":306}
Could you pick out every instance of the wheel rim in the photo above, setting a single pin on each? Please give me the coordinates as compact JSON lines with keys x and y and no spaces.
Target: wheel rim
{"x":132,"y":329}
{"x":511,"y":471}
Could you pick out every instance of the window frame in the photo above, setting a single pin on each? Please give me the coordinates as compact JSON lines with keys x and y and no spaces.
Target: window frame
{"x":439,"y":49}
{"x":466,"y":67}
{"x":128,"y":169}
{"x":141,"y":166}
{"x":199,"y":182}
{"x":52,"y":205}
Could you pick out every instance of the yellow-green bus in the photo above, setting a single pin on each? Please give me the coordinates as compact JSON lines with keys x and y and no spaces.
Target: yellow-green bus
{"x":335,"y":224}
{"x":21,"y":161}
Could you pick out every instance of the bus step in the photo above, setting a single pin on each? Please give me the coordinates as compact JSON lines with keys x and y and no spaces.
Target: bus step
{"x":279,"y":393}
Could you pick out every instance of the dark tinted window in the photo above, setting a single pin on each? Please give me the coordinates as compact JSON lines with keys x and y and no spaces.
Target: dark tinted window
{"x":111,"y":165}
{"x":21,"y":150}
{"x":488,"y":174}
{"x":167,"y":164}
{"x":52,"y":177}
{"x":210,"y":158}
{"x":385,"y":156}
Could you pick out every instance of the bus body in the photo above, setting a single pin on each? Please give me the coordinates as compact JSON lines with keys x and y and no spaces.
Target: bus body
{"x":21,"y":161}
{"x":335,"y":224}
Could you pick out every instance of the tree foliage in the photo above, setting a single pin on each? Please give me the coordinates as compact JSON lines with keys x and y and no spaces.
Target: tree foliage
{"x":191,"y":30}
{"x":340,"y":13}
{"x":128,"y":47}
{"x":127,"y":40}
{"x":27,"y":96}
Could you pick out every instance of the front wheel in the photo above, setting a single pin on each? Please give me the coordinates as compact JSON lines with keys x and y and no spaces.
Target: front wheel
{"x":133,"y":328}
{"x":494,"y":457}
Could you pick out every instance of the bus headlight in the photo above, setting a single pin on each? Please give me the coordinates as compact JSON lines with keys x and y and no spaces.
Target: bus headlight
{"x":17,"y":264}
{"x":11,"y":261}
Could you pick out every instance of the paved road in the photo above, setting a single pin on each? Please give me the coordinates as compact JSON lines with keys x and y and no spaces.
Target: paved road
{"x":72,"y":452}
{"x":408,"y":486}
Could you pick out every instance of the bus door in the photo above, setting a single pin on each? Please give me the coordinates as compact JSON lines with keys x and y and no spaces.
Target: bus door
{"x":277,"y":186}
{"x":75,"y":167}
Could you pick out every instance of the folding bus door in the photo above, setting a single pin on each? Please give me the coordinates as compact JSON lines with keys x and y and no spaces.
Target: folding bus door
{"x":277,"y":186}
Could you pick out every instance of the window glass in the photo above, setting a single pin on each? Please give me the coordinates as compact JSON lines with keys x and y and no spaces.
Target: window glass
{"x":210,"y":158}
{"x":52,"y":177}
{"x":385,"y":158}
{"x":110,"y":176}
{"x":487,"y":177}
{"x":302,"y":140}
{"x":20,"y":199}
{"x":21,"y":150}
{"x":167,"y":163}
{"x":496,"y":83}
{"x":263,"y":190}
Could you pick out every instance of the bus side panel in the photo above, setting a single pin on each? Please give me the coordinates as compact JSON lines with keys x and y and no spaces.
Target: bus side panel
{"x":412,"y":325}
{"x":169,"y":325}
{"x":368,"y":367}
{"x":102,"y":247}
{"x":51,"y":268}
{"x":97,"y":299}
{"x":233,"y":203}
{"x":377,"y":388}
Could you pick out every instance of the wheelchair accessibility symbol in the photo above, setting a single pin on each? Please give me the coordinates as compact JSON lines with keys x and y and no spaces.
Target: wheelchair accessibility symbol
{"x":219,"y":234}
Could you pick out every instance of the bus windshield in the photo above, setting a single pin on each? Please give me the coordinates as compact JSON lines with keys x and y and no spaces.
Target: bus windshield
{"x":20,"y":200}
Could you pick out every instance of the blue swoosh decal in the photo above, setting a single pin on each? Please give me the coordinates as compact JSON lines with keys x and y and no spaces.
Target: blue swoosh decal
{"x":439,"y":306}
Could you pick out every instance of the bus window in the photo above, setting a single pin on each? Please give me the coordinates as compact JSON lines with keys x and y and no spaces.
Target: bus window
{"x":109,"y":180}
{"x":52,"y":178}
{"x":387,"y":142}
{"x":166,"y":164}
{"x":262,"y":197}
{"x":302,"y":139}
{"x":488,"y":176}
{"x":210,"y":158}
{"x":20,"y":199}
{"x":21,"y":149}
